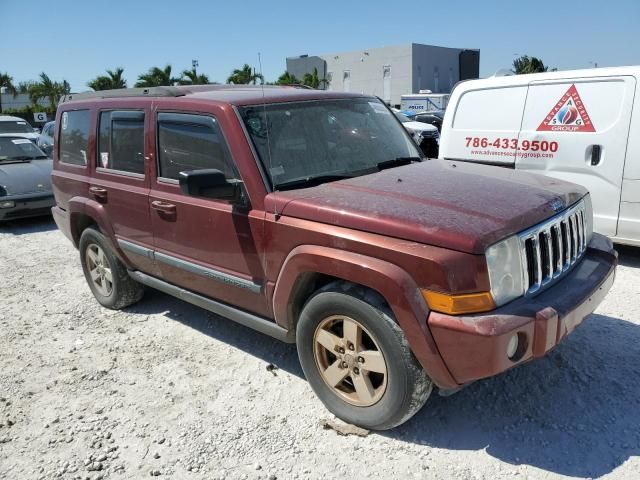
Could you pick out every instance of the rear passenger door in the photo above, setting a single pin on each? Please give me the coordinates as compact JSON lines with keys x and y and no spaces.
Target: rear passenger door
{"x":121,"y":184}
{"x":203,"y":244}
{"x":577,"y":130}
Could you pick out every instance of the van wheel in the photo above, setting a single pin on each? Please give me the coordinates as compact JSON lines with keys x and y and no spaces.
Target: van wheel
{"x":106,"y":275}
{"x":357,"y":360}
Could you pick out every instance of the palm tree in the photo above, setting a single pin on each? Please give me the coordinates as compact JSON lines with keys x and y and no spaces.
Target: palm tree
{"x":287,"y":79}
{"x":112,"y":80}
{"x":526,"y":64}
{"x":6,"y":81}
{"x":244,"y":75}
{"x":47,"y":88}
{"x":191,"y":77}
{"x":156,"y":77}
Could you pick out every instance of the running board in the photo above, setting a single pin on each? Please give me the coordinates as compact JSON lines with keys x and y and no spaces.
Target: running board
{"x":260,"y":324}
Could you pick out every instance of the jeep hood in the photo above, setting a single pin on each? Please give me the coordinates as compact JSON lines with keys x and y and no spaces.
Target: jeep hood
{"x":26,"y":177}
{"x":456,"y":205}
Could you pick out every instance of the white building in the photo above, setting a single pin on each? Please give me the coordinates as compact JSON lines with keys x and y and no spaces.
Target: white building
{"x":389,"y":72}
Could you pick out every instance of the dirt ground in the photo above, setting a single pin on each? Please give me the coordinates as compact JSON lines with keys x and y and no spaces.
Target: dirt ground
{"x":166,"y":389}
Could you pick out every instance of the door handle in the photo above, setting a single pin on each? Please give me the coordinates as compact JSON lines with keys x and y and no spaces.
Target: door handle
{"x":596,"y":154}
{"x":163,"y":207}
{"x":98,"y":192}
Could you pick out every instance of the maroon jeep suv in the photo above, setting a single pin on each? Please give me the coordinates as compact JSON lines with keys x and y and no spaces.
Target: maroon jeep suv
{"x":313,"y":217}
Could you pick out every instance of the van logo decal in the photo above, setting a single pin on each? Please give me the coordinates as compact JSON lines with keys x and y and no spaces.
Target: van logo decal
{"x":568,"y":115}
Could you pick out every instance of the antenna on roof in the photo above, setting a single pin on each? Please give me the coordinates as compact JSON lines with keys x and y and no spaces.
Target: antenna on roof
{"x":266,"y":123}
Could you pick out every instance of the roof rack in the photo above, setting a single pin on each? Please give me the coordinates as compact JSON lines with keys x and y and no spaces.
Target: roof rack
{"x":130,"y":92}
{"x":167,"y":91}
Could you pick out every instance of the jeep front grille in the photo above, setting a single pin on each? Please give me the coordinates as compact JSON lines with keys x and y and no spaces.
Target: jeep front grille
{"x":553,"y":247}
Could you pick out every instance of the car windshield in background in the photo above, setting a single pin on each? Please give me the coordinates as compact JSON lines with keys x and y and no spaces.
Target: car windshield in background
{"x":15,"y":126}
{"x":326,"y":139}
{"x":12,"y":149}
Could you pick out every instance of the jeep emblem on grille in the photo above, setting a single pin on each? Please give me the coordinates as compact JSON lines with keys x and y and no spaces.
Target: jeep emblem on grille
{"x":557,"y":205}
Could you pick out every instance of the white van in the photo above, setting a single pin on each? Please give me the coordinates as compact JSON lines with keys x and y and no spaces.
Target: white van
{"x":582,"y":126}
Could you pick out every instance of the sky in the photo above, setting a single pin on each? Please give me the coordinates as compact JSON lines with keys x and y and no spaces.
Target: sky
{"x":77,"y":41}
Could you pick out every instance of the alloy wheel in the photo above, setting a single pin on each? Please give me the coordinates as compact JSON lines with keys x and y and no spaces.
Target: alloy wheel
{"x":99,"y":269}
{"x":350,"y":361}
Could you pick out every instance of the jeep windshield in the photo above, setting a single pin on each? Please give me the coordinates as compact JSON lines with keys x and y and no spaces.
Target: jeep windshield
{"x":15,"y":126}
{"x":310,"y":142}
{"x":14,"y":149}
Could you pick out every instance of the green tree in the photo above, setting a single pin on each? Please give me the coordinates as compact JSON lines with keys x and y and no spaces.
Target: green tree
{"x":526,"y":64}
{"x":6,"y":81}
{"x":312,"y":80}
{"x":191,"y":77}
{"x":287,"y":79}
{"x":244,"y":75}
{"x":112,"y":80}
{"x":47,"y":88}
{"x":157,"y":77}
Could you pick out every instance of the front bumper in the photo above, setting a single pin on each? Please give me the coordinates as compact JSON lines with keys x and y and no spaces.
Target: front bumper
{"x":475,"y":346}
{"x":27,"y":205}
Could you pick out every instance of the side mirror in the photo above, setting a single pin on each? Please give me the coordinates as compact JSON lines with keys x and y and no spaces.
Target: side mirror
{"x":210,"y":183}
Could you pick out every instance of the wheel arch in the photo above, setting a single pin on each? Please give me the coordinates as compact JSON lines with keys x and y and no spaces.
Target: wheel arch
{"x":309,"y":267}
{"x":85,"y":213}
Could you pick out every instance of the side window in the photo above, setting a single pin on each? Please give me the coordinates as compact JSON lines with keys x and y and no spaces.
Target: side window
{"x":497,"y":109}
{"x":191,"y":142}
{"x":121,"y":142}
{"x":74,"y":137}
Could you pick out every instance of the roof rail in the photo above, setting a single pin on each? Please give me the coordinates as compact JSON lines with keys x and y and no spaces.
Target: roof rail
{"x":128,"y":92}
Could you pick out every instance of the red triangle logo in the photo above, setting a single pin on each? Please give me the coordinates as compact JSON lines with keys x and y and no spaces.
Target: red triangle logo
{"x":568,"y":115}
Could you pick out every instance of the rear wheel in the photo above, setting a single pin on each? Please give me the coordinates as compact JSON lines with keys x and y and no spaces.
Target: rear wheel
{"x":106,"y":275}
{"x":357,"y":360}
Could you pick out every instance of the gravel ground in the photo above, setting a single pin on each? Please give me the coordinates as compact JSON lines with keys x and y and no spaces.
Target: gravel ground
{"x":166,"y":389}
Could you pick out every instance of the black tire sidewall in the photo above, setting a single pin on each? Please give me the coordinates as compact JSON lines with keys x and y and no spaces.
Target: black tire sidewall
{"x":391,"y":409}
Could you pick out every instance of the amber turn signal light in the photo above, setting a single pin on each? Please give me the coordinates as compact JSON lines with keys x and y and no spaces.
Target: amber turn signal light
{"x":459,"y":304}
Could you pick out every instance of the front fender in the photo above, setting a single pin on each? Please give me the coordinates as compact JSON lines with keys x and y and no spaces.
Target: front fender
{"x":393,"y":283}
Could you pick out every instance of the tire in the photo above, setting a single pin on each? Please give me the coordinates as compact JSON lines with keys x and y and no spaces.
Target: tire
{"x":112,"y":287}
{"x":389,"y":398}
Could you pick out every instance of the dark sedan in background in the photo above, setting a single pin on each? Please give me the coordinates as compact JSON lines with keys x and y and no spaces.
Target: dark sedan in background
{"x":25,"y":179}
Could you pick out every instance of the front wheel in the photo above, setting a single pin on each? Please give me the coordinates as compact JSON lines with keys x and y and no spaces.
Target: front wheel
{"x":357,"y":360}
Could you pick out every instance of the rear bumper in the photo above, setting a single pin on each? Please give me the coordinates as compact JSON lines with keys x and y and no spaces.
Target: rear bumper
{"x":29,"y":205}
{"x":61,"y":217}
{"x":475,"y":346}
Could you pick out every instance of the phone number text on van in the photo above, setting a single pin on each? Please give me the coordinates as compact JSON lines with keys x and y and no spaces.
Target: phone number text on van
{"x":512,"y":144}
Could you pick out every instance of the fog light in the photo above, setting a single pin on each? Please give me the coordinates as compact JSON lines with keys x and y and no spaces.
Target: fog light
{"x":7,"y":204}
{"x":512,"y":346}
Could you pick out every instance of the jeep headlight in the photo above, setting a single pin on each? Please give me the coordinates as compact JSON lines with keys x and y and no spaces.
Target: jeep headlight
{"x":505,"y":270}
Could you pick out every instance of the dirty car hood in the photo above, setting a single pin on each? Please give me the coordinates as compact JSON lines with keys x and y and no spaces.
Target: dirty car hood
{"x":461,"y":206}
{"x":26,"y":177}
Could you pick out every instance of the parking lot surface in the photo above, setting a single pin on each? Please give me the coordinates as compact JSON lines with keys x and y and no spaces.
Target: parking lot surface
{"x":166,"y":389}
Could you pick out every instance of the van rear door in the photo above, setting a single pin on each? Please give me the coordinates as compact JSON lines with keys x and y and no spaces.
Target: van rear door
{"x":482,"y":126}
{"x":577,"y":130}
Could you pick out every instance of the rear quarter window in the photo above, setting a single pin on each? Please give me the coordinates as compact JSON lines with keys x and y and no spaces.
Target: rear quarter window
{"x":74,"y":137}
{"x":490,"y":109}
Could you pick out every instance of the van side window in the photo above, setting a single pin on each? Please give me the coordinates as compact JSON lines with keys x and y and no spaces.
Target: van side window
{"x":74,"y":137}
{"x":491,"y":109}
{"x":191,"y":142}
{"x":121,"y":142}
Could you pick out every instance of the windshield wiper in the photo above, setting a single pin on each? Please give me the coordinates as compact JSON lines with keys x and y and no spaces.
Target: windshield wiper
{"x":397,"y":162}
{"x":311,"y":181}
